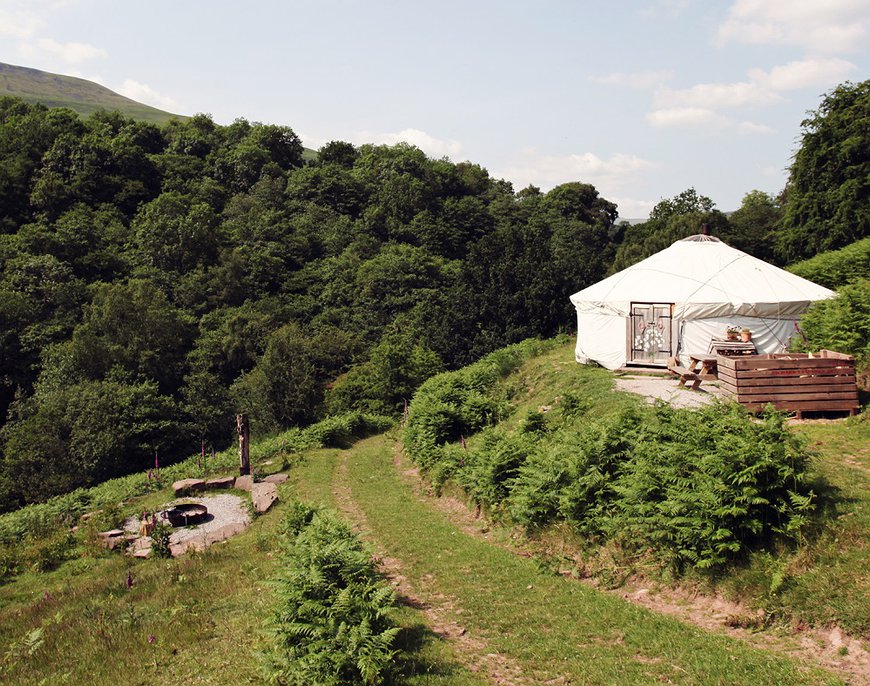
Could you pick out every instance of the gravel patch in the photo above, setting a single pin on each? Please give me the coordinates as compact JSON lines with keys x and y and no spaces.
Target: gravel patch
{"x":666,"y":389}
{"x":224,"y":510}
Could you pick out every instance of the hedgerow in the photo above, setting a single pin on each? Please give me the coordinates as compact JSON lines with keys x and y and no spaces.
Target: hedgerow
{"x":330,"y":624}
{"x":460,"y":403}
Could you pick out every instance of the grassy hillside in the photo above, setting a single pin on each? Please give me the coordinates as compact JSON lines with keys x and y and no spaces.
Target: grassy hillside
{"x":79,"y":95}
{"x":549,"y":446}
{"x":473,"y":610}
{"x":82,"y":96}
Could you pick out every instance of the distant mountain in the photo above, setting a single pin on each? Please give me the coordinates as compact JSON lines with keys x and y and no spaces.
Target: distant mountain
{"x":80,"y":95}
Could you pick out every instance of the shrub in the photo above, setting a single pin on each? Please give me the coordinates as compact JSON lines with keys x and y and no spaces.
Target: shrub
{"x":10,"y":558}
{"x":841,"y":324}
{"x":330,"y":622}
{"x":490,"y":470}
{"x":460,"y":403}
{"x":341,"y":430}
{"x":45,"y":554}
{"x":572,"y":479}
{"x":695,"y":488}
{"x":836,"y":268}
{"x":702,"y":487}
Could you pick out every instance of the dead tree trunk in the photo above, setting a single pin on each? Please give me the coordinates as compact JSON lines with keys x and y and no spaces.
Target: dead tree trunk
{"x":244,"y":442}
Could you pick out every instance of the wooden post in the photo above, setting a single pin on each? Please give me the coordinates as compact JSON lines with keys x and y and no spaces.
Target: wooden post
{"x":244,"y":441}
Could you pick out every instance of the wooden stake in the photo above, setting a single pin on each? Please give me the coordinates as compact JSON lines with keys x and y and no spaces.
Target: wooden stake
{"x":244,"y":432}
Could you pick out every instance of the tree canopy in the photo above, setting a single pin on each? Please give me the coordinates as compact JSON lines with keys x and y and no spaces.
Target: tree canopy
{"x":156,"y":279}
{"x":195,"y":270}
{"x":826,"y":197}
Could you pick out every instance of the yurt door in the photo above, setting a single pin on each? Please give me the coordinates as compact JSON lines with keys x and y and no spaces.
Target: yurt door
{"x":650,"y":333}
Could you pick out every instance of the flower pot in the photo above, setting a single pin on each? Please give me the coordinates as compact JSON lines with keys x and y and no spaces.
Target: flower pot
{"x":730,"y":336}
{"x":746,"y":336}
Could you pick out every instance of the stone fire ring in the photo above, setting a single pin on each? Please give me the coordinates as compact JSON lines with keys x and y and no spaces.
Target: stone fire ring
{"x":187,"y":514}
{"x":227,"y":515}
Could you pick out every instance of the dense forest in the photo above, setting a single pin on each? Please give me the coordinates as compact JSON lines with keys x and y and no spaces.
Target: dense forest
{"x":154,"y":280}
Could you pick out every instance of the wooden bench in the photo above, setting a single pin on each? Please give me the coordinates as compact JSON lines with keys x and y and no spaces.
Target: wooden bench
{"x":685,"y":374}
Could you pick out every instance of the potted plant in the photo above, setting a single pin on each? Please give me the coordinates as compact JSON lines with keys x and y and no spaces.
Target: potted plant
{"x":745,"y":335}
{"x":732,"y":332}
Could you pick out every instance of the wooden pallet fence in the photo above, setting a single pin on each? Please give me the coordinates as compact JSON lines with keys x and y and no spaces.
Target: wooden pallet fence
{"x":791,"y":382}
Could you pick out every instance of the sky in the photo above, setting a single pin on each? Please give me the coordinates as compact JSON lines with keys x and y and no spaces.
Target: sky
{"x":641,"y":99}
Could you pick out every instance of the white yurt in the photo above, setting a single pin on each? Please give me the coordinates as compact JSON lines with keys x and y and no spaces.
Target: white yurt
{"x":680,"y":299}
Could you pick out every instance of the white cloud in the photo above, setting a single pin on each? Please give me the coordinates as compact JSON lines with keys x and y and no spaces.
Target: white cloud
{"x":716,"y":95}
{"x":749,"y":128}
{"x":23,"y":19}
{"x":73,"y":53}
{"x":809,"y":73}
{"x":829,"y":26}
{"x":700,"y":117}
{"x":145,"y":94}
{"x":434,"y":147}
{"x":703,"y":119}
{"x":699,"y":104}
{"x":667,"y":8}
{"x":19,"y":22}
{"x":631,"y":208}
{"x":641,"y":80}
{"x":546,"y":171}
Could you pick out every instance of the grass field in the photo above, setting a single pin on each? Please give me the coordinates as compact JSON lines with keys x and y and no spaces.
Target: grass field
{"x":475,"y":612}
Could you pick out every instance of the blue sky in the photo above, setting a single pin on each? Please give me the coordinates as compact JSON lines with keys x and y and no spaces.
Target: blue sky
{"x":642,"y":99}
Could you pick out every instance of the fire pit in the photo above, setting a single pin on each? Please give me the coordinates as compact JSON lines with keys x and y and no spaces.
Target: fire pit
{"x":187,"y":514}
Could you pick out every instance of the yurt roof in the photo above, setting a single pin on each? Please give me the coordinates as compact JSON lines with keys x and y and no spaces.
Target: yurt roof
{"x":703,"y":277}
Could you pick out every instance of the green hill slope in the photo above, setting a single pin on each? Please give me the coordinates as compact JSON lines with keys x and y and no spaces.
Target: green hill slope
{"x":80,"y":95}
{"x":480,"y":600}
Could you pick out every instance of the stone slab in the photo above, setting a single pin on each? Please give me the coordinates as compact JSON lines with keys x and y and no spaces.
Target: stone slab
{"x":220,"y":482}
{"x":225,"y":532}
{"x":276,"y":478}
{"x":112,"y":534}
{"x":142,"y":543}
{"x":118,"y":541}
{"x":186,"y":486}
{"x":244,"y":483}
{"x":263,"y":496}
{"x":176,"y":549}
{"x":200,"y":543}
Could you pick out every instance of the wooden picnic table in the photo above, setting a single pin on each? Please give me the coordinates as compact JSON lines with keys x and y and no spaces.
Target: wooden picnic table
{"x":722,"y":346}
{"x":703,"y":365}
{"x":684,"y":373}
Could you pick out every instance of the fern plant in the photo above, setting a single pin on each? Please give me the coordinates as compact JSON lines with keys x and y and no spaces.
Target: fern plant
{"x":331,"y":621}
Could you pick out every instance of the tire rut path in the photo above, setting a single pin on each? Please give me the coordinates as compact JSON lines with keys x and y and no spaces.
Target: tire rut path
{"x":439,"y":610}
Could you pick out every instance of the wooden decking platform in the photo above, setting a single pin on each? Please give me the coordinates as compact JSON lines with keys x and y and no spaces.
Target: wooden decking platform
{"x":791,"y":382}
